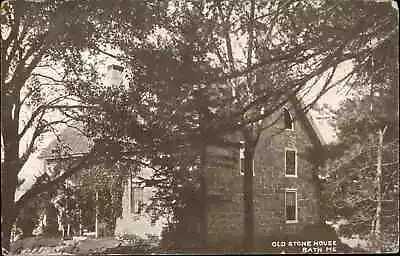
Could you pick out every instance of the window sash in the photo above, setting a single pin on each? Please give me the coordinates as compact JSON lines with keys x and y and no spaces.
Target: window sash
{"x":290,"y":162}
{"x":136,"y":199}
{"x":288,"y":119}
{"x":291,"y":206}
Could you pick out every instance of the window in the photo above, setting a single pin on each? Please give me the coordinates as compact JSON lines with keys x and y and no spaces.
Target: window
{"x":136,"y":199}
{"x":291,"y":205}
{"x":262,"y":113}
{"x":289,"y":125}
{"x":51,"y":168}
{"x":115,"y":67}
{"x":241,"y":159}
{"x":290,"y":162}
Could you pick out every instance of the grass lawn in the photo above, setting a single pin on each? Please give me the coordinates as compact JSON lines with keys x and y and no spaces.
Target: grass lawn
{"x":40,"y":245}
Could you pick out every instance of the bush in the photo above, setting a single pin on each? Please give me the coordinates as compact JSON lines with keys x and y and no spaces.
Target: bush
{"x":318,"y":232}
{"x":135,"y":244}
{"x":177,"y":238}
{"x":33,"y":242}
{"x":323,"y":232}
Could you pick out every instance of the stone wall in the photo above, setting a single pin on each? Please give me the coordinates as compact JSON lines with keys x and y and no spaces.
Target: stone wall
{"x":225,"y":184}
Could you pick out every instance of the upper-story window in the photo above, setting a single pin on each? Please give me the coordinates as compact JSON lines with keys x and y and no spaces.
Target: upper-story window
{"x":291,"y":205}
{"x":241,"y":159}
{"x":289,"y":124}
{"x":290,"y":162}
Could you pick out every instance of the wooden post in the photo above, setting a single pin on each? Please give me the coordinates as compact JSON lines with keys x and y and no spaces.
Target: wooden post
{"x":97,"y":215}
{"x":67,"y":212}
{"x":68,"y":230}
{"x":80,"y":222}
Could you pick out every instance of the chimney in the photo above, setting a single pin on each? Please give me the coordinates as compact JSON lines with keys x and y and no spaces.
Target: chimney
{"x":114,"y":75}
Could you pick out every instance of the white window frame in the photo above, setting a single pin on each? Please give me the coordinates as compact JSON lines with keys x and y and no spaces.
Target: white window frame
{"x":241,"y":157}
{"x":291,"y":119}
{"x":291,"y":190}
{"x":295,"y":162}
{"x":132,"y":204}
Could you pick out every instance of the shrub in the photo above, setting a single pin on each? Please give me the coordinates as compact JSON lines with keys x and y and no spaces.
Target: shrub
{"x":177,"y":238}
{"x":318,"y":232}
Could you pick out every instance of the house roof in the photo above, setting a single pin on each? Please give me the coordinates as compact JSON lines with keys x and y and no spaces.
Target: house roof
{"x":69,"y":143}
{"x":308,"y":121}
{"x":311,"y":128}
{"x":72,"y":142}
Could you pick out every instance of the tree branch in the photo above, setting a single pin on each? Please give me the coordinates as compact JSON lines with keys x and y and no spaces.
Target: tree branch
{"x":39,"y":188}
{"x":30,"y":148}
{"x":38,"y":111}
{"x":226,"y":30}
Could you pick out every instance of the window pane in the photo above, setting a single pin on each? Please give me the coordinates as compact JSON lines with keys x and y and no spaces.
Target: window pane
{"x":290,"y":205}
{"x":288,"y":119}
{"x":290,"y":162}
{"x":137,"y":206}
{"x":241,"y":158}
{"x":136,"y":199}
{"x":290,"y":213}
{"x":291,"y":198}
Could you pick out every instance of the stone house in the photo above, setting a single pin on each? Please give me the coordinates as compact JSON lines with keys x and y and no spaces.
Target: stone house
{"x":285,"y":187}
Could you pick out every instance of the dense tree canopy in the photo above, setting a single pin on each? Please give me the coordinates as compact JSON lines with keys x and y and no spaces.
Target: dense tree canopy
{"x":195,"y":70}
{"x":362,"y":175}
{"x":42,"y":49}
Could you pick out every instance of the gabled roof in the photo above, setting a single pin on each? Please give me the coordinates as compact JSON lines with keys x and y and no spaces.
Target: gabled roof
{"x":70,"y":142}
{"x":308,"y":122}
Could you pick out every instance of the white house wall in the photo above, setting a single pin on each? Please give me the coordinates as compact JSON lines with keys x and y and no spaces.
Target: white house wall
{"x":137,"y":224}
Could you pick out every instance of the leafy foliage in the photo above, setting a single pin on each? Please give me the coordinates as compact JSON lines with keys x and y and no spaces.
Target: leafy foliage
{"x":351,"y":175}
{"x":186,"y":86}
{"x":43,"y":46}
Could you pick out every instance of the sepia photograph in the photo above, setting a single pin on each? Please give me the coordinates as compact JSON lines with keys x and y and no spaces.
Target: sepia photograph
{"x":133,"y":127}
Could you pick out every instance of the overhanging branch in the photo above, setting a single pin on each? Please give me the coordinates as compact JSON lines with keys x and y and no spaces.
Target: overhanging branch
{"x":40,"y":188}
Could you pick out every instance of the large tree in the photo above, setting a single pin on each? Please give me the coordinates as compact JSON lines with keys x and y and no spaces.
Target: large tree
{"x":214,"y":65}
{"x":183,"y":71}
{"x":42,"y":47}
{"x":361,"y":183}
{"x":361,"y":177}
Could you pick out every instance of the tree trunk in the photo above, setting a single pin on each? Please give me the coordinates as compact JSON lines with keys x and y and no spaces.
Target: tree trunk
{"x":97,"y":215}
{"x":203,"y":215}
{"x":378,"y":224}
{"x":8,"y":212}
{"x":204,"y":121}
{"x":9,"y":181}
{"x":248,"y":238}
{"x":8,"y":220}
{"x":248,"y":242}
{"x":10,"y":166}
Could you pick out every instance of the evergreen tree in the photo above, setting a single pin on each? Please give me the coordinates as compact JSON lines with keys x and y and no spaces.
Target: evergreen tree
{"x":361,"y":178}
